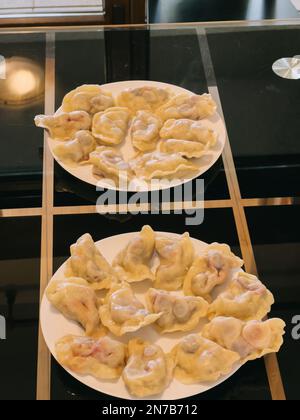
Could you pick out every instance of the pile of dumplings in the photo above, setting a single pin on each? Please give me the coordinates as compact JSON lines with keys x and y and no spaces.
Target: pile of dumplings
{"x":186,"y":288}
{"x":165,"y":130}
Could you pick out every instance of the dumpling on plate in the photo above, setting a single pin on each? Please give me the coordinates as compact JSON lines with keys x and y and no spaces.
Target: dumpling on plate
{"x":132,"y":264}
{"x":189,"y":130}
{"x":121,"y":312}
{"x":179,"y":313}
{"x":89,"y":98}
{"x":148,"y":370}
{"x":186,"y":148}
{"x":184,"y":105}
{"x":246,"y":298}
{"x":75,"y":300}
{"x":110,"y":126}
{"x":210,"y":269}
{"x":251,"y":340}
{"x":78,"y":149}
{"x":200,"y":360}
{"x":147,"y":98}
{"x":158,"y":165}
{"x":103,"y":358}
{"x":144,"y":131}
{"x":87,"y":262}
{"x":176,"y":256}
{"x":64,"y":125}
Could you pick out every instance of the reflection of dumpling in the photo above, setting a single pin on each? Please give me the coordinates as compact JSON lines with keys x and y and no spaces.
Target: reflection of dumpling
{"x":121,"y":312}
{"x":148,"y":370}
{"x":251,"y":340}
{"x":159,"y":165}
{"x":184,"y":129}
{"x":78,"y":149}
{"x":200,"y":360}
{"x":246,"y":298}
{"x":142,"y":98}
{"x":194,"y":107}
{"x":209,"y":270}
{"x":64,"y":126}
{"x":87,"y":262}
{"x":76,"y":300}
{"x":179,"y":313}
{"x":132,"y":264}
{"x":110,"y":127}
{"x":189,"y":149}
{"x":103,"y":358}
{"x":89,"y":98}
{"x":176,"y":256}
{"x":109,"y":163}
{"x":144,"y":131}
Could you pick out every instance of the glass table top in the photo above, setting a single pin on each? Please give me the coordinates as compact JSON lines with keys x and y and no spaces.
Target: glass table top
{"x":251,"y":194}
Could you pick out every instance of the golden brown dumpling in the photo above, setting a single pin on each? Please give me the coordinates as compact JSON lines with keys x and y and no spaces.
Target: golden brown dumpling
{"x":189,"y":130}
{"x":188,"y":149}
{"x":77,"y":149}
{"x":144,"y":131}
{"x":147,"y":98}
{"x":89,"y":98}
{"x":110,"y":126}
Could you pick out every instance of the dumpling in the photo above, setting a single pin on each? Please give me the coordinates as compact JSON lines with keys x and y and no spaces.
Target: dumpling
{"x":110,"y":126}
{"x":64,"y":125}
{"x":184,"y":129}
{"x":194,"y":107}
{"x":109,"y":163}
{"x":246,"y":298}
{"x":132,"y":264}
{"x":209,"y":270}
{"x":148,"y":370}
{"x":87,"y":262}
{"x":144,"y":131}
{"x":104,"y":358}
{"x":179,"y":313}
{"x":77,"y":301}
{"x":189,"y":149}
{"x":158,"y":165}
{"x":78,"y":149}
{"x":200,"y":360}
{"x":89,"y":98}
{"x":121,"y":312}
{"x":176,"y":256}
{"x":251,"y":340}
{"x":147,"y":98}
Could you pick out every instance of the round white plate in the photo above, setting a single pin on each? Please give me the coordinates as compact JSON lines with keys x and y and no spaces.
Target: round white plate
{"x":55,"y":326}
{"x":84,"y":172}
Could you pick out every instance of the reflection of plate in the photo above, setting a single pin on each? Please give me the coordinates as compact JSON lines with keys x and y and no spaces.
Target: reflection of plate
{"x":55,"y":326}
{"x":85,"y":172}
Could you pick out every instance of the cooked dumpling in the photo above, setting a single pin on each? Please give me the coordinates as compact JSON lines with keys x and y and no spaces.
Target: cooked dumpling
{"x":159,"y":165}
{"x":103,"y":358}
{"x":78,"y":149}
{"x":184,"y":129}
{"x":246,"y":298}
{"x":87,"y":262}
{"x":64,"y":125}
{"x":89,"y":98}
{"x":144,"y":131}
{"x":121,"y":312}
{"x":200,"y":360}
{"x":76,"y":300}
{"x":108,"y":163}
{"x":147,"y":98}
{"x":189,"y":149}
{"x":179,"y":313}
{"x":132,"y":264}
{"x":176,"y":256}
{"x":194,"y":107}
{"x":251,"y":340}
{"x":209,"y":270}
{"x":110,"y":127}
{"x":148,"y":370}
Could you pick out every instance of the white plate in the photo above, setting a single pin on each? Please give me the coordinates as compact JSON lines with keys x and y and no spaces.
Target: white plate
{"x":55,"y":325}
{"x":84,"y":172}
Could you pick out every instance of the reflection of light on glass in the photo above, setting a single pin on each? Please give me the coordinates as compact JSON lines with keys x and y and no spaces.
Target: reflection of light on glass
{"x":2,"y":67}
{"x":22,"y":82}
{"x":255,"y":9}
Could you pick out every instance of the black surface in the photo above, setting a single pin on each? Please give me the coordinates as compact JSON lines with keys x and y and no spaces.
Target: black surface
{"x":19,"y":304}
{"x":22,"y":143}
{"x":162,"y":11}
{"x":261,"y":109}
{"x":275,"y":234}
